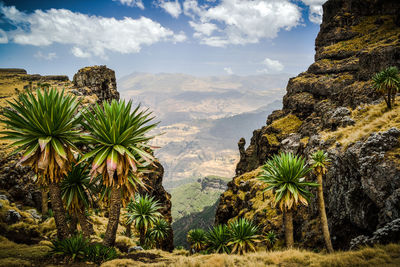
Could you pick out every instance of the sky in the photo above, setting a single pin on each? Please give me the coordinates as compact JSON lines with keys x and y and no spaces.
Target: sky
{"x":198,"y":37}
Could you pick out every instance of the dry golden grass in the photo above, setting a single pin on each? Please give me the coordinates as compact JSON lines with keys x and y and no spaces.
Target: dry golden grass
{"x":369,"y":119}
{"x":388,"y":255}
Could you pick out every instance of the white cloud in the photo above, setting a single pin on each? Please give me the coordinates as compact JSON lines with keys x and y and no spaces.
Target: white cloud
{"x":76,"y":51}
{"x":203,"y":28}
{"x":89,"y":35}
{"x":3,"y":37}
{"x":271,"y":65}
{"x":50,"y":56}
{"x":228,"y":70}
{"x":241,"y":21}
{"x":171,"y":7}
{"x":315,"y":12}
{"x":132,"y":3}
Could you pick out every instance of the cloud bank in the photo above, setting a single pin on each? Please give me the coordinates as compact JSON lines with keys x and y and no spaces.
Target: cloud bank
{"x":89,"y":35}
{"x":240,"y":22}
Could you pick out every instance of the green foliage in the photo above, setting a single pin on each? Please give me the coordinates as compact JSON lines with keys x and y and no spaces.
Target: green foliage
{"x":98,"y":253}
{"x":285,"y":174}
{"x":143,"y":211}
{"x":218,"y":238}
{"x":243,"y":235}
{"x":45,"y":128}
{"x":77,"y":188}
{"x":73,"y":248}
{"x":197,"y":239}
{"x":77,"y":248}
{"x":160,"y":229}
{"x":319,"y":161}
{"x":270,"y":239}
{"x":387,"y":82}
{"x":119,"y":142}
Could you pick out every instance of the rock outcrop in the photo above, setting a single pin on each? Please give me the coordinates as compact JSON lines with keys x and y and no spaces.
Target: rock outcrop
{"x":333,"y":106}
{"x":98,"y":80}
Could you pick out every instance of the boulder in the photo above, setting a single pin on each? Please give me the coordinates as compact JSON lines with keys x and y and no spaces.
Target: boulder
{"x":12,"y":216}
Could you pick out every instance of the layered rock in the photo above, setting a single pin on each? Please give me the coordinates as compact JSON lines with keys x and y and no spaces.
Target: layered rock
{"x":357,"y":39}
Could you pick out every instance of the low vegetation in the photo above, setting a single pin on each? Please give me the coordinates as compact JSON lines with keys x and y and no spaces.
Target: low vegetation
{"x":369,"y":118}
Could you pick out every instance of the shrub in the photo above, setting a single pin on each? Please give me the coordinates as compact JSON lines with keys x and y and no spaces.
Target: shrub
{"x":243,"y":235}
{"x":73,"y":248}
{"x":218,"y":238}
{"x":197,"y":239}
{"x":99,"y":253}
{"x":77,"y":248}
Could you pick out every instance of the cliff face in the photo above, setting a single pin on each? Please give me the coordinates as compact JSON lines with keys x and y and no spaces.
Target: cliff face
{"x":333,"y":106}
{"x":91,"y":85}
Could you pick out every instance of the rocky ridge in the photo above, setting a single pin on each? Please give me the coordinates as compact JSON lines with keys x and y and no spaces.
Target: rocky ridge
{"x":333,"y":106}
{"x":17,"y":187}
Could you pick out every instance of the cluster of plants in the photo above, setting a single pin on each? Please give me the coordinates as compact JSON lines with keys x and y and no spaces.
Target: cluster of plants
{"x":143,"y":213}
{"x":285,"y":174}
{"x":78,"y":248}
{"x":82,"y":156}
{"x":239,"y":236}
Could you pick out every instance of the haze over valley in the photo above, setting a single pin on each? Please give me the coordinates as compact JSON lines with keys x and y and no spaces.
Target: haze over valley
{"x":202,"y":118}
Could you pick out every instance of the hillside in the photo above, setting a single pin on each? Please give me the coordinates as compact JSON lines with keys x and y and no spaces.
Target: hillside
{"x":333,"y":106}
{"x":202,"y":117}
{"x":194,"y":205}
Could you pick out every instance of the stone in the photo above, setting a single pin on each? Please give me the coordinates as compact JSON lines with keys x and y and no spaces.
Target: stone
{"x":390,"y":233}
{"x":12,"y":216}
{"x":3,"y":197}
{"x":34,"y":213}
{"x":134,"y":249}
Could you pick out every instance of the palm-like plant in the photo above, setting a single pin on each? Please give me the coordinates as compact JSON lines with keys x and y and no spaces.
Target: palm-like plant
{"x":285,"y":175}
{"x":143,"y":211}
{"x":44,"y":128}
{"x":387,"y":82}
{"x":197,"y":240}
{"x":218,"y":238}
{"x":320,"y":161}
{"x":243,"y":235}
{"x":117,"y":135}
{"x":270,"y":239}
{"x":160,"y":231}
{"x":78,"y":191}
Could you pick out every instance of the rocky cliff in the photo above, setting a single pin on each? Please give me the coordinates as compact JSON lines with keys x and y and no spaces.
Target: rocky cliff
{"x":91,"y":85}
{"x":333,"y":106}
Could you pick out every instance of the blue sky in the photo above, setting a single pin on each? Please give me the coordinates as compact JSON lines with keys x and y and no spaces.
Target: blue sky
{"x":205,"y":37}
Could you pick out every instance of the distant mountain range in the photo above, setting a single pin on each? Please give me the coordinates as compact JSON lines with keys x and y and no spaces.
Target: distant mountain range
{"x":202,"y":118}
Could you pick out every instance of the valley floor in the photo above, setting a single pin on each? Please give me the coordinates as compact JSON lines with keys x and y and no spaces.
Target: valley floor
{"x":12,"y":254}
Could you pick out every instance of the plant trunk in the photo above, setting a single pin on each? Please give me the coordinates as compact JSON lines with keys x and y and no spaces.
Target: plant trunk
{"x":389,"y":102}
{"x":128,"y":230}
{"x":322,"y":214}
{"x":73,"y":226}
{"x":113,"y":218}
{"x":142,"y":237}
{"x":45,"y":202}
{"x":83,"y":222}
{"x":289,"y":228}
{"x":59,"y":211}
